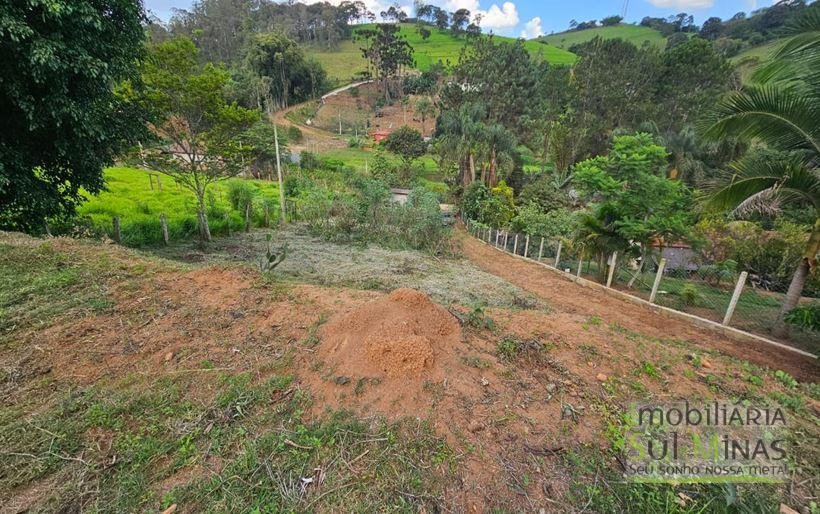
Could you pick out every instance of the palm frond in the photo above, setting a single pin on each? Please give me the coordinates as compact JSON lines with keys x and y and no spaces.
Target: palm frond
{"x":782,"y":117}
{"x":758,"y":184}
{"x":764,"y":202}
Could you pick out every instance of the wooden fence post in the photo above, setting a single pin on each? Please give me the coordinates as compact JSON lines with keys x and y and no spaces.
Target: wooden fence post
{"x":248,"y":217}
{"x":741,"y":281}
{"x":228,"y":223}
{"x":527,"y":246}
{"x":612,"y":263}
{"x":159,"y":184}
{"x":117,"y":233}
{"x":515,"y":245}
{"x":164,"y":223}
{"x":267,"y":216}
{"x":489,"y":234}
{"x":541,"y":249}
{"x":497,"y":234}
{"x":657,"y":282}
{"x":506,"y":235}
{"x":580,"y":265}
{"x":558,"y":254}
{"x":151,"y":180}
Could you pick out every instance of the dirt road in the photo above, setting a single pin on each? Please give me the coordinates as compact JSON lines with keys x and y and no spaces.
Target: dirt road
{"x":566,"y":296}
{"x":314,"y":139}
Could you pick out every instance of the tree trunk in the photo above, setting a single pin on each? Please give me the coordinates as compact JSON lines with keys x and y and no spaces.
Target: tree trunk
{"x":792,"y":296}
{"x":493,"y":179}
{"x":202,"y":217}
{"x":472,"y":168}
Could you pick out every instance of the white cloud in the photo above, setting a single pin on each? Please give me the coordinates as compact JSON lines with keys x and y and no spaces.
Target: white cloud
{"x":683,"y":4}
{"x":504,"y":17}
{"x":532,"y":29}
{"x":494,"y":17}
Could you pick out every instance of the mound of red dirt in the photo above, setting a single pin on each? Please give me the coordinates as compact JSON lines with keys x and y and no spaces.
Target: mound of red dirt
{"x":401,"y":334}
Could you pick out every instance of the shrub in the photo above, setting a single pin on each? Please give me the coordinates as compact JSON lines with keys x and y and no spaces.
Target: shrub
{"x":294,"y":134}
{"x":308,"y":161}
{"x":805,"y":316}
{"x":240,"y":194}
{"x":689,"y":295}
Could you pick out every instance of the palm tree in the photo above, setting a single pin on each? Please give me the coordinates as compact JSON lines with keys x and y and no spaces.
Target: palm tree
{"x":782,"y":110}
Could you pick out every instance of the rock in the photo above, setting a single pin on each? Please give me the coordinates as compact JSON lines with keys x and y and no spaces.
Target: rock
{"x":168,"y":357}
{"x":551,"y":387}
{"x":785,"y":509}
{"x":475,"y":426}
{"x":170,"y":510}
{"x":342,"y":380}
{"x":601,"y":377}
{"x":705,"y":363}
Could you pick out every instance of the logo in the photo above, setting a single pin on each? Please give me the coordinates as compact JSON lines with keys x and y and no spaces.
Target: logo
{"x":705,"y":443}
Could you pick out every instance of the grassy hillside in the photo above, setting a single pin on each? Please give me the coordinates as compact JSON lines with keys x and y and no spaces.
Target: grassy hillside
{"x":751,"y":58}
{"x":632,"y":33}
{"x":346,"y":60}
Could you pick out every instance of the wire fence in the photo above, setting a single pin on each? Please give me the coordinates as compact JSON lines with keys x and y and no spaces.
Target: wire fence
{"x":668,"y":278}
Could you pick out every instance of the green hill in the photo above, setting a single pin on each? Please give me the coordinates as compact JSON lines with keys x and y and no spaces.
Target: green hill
{"x":635,"y":34}
{"x":748,"y":60}
{"x":346,"y":60}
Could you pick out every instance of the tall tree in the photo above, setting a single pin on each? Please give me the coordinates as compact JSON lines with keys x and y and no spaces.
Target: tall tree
{"x":459,"y":20}
{"x":387,"y":52}
{"x":197,"y":131}
{"x":62,"y":121}
{"x":288,"y":75}
{"x":782,"y":111}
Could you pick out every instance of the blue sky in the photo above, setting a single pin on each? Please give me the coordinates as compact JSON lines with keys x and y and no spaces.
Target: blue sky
{"x":530,"y":18}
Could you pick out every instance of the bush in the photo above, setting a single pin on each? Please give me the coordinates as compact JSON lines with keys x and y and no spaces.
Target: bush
{"x":240,"y":194}
{"x":308,"y":161}
{"x":531,"y":220}
{"x":805,"y":316}
{"x":294,"y":134}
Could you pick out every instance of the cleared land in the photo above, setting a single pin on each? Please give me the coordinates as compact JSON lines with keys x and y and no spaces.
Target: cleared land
{"x":131,"y":382}
{"x":346,"y":61}
{"x":635,"y":34}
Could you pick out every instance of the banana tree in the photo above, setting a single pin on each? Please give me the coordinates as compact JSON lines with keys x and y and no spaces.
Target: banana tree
{"x":782,"y":110}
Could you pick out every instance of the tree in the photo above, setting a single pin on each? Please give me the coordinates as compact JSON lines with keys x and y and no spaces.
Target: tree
{"x":633,"y":203}
{"x":460,"y":18}
{"x":711,"y":28}
{"x":287,"y":73}
{"x":783,"y":111}
{"x":197,"y":131}
{"x":442,"y":18}
{"x":387,"y":52}
{"x":258,"y":145}
{"x":425,"y":109}
{"x":407,"y":143}
{"x":62,"y":120}
{"x":610,"y":21}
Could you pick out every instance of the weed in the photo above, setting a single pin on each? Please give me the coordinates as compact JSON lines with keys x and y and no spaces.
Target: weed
{"x":475,"y":362}
{"x":476,"y":318}
{"x":785,"y":379}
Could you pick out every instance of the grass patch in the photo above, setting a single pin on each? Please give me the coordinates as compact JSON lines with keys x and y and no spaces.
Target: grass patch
{"x":345,"y":61}
{"x":129,"y":195}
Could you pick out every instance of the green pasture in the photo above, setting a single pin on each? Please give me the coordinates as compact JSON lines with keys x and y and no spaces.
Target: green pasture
{"x":345,"y":61}
{"x":129,"y":196}
{"x":635,"y":34}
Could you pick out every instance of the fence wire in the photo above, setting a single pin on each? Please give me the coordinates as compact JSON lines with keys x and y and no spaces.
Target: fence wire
{"x":704,"y":290}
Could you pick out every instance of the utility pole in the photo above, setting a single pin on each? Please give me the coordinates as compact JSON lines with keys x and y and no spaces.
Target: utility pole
{"x":279,"y":174}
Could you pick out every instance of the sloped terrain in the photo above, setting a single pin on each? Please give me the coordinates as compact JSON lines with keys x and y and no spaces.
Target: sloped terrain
{"x":133,"y":383}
